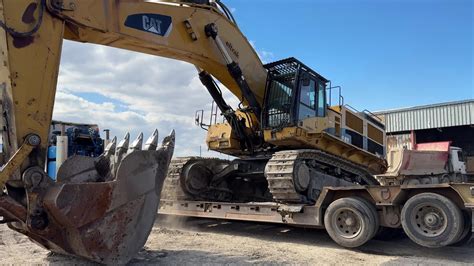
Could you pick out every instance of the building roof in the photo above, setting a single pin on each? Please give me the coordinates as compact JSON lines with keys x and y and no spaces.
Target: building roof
{"x":449,"y":114}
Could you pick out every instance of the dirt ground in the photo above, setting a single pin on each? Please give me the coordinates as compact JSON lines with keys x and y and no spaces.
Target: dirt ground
{"x":203,"y":241}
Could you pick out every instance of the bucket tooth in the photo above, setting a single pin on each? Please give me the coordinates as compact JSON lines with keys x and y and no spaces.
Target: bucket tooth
{"x":136,"y":144}
{"x":105,"y":162}
{"x":124,"y":143}
{"x":168,"y":142}
{"x":120,"y":152}
{"x":152,"y":141}
{"x":110,"y":149}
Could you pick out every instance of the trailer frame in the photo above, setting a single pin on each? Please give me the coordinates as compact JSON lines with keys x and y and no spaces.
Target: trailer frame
{"x":388,"y":200}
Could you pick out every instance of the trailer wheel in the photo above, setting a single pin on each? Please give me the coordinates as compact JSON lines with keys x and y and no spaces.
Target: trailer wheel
{"x":351,"y":222}
{"x":467,"y":232}
{"x":432,"y":220}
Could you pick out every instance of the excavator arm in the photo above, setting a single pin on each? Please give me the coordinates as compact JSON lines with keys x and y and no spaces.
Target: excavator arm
{"x":102,"y":209}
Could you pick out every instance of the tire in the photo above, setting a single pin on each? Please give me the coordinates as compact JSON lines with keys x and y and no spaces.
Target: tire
{"x":432,"y":220}
{"x":467,"y":232}
{"x":375,"y":216}
{"x":351,"y":222}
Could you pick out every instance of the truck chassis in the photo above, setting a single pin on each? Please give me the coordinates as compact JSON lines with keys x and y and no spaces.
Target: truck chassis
{"x":388,"y":201}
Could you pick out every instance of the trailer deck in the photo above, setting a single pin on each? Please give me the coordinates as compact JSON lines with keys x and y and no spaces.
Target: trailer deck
{"x":388,"y":199}
{"x":269,"y":212}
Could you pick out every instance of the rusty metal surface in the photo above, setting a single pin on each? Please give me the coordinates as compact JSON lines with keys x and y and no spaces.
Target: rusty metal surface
{"x":11,"y":210}
{"x":84,"y":215}
{"x":465,"y":191}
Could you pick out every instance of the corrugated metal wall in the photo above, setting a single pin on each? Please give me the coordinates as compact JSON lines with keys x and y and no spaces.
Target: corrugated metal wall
{"x":398,"y":142}
{"x":431,"y":116}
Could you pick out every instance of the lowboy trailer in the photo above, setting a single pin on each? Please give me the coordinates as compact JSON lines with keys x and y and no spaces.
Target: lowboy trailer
{"x":433,"y":215}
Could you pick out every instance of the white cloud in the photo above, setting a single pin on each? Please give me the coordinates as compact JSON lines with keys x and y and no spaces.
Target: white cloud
{"x":139,"y":93}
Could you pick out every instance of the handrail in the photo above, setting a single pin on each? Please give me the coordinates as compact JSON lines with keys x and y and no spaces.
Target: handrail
{"x":352,"y":108}
{"x":372,"y":114}
{"x":340,"y":98}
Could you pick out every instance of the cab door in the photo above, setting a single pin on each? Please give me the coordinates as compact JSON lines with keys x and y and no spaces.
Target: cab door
{"x":307,"y":97}
{"x":312,"y":97}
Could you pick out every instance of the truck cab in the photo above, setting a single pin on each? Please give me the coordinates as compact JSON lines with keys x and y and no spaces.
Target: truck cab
{"x":457,"y":163}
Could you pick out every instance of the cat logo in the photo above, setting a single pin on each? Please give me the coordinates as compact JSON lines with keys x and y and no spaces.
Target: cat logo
{"x":152,"y":23}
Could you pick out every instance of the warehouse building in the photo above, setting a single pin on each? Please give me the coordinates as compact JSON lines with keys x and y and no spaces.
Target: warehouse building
{"x":451,"y":121}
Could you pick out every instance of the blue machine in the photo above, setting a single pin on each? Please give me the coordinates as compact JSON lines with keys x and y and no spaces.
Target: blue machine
{"x":83,"y":139}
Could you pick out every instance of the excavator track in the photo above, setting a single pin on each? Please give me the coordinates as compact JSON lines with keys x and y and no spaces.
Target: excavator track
{"x":280,"y":172}
{"x":171,"y":186}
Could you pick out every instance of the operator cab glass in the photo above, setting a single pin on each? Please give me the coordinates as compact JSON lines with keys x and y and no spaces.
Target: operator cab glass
{"x":312,"y":97}
{"x":294,"y":92}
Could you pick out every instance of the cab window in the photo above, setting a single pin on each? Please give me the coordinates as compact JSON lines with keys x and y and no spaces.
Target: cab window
{"x":307,"y":106}
{"x":321,"y":100}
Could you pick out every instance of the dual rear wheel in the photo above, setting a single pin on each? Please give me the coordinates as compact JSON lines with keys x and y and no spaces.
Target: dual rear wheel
{"x":429,"y":219}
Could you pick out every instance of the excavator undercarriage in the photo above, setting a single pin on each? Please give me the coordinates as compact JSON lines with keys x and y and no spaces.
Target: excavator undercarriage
{"x":293,"y":176}
{"x":194,"y":178}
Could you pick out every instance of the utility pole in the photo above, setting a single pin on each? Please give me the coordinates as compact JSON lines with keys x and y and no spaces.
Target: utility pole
{"x":107,"y":137}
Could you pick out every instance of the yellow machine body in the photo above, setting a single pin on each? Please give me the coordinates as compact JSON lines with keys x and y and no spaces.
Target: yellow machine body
{"x":313,"y":133}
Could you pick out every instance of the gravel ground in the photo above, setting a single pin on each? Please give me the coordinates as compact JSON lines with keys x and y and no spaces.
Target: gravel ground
{"x":190,"y":241}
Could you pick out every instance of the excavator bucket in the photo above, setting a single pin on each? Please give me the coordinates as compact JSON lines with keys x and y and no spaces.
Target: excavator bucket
{"x":101,"y":209}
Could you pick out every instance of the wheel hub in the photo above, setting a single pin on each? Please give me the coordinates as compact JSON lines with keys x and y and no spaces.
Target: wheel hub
{"x":348,"y":224}
{"x":350,"y":221}
{"x":430,"y":221}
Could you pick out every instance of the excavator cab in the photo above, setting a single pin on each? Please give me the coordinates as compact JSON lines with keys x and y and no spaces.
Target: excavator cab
{"x":294,"y":92}
{"x":297,"y":115}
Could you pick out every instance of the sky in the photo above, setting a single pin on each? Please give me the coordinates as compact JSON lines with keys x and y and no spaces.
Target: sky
{"x":385,"y":54}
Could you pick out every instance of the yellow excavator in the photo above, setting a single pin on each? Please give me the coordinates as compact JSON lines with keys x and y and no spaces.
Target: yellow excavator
{"x":290,"y":142}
